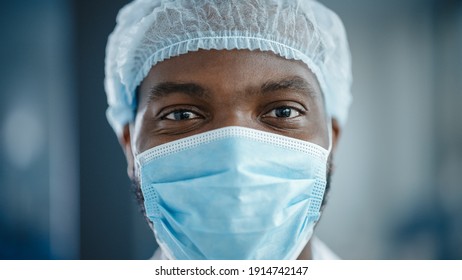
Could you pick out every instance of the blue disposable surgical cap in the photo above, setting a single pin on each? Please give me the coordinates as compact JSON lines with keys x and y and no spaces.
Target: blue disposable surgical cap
{"x":150,"y":31}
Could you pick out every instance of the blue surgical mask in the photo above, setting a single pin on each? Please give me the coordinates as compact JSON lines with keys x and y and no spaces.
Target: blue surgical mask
{"x":233,"y":193}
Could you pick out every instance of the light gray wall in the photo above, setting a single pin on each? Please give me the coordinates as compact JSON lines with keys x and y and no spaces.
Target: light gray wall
{"x":386,"y":196}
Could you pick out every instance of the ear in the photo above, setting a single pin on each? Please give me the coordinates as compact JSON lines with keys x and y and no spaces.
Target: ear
{"x":336,"y":130}
{"x":125,"y":142}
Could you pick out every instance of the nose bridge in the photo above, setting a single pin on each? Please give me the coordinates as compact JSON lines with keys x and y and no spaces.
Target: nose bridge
{"x":234,"y":115}
{"x":232,"y":104}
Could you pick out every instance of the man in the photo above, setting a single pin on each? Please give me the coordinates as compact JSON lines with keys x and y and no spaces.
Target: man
{"x":228,"y":113}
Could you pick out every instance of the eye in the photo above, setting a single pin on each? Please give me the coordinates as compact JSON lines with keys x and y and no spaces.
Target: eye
{"x":181,"y":115}
{"x":283,"y":112}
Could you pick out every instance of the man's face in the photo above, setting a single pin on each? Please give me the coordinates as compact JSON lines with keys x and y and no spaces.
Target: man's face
{"x":205,"y":90}
{"x":200,"y":91}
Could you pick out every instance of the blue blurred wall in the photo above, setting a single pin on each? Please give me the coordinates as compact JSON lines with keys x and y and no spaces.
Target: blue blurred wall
{"x":39,"y":193}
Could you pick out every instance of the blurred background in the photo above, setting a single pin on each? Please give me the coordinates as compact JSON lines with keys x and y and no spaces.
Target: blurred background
{"x":397,"y":188}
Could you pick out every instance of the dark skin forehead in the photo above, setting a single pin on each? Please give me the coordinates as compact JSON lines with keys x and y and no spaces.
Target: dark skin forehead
{"x":228,"y":88}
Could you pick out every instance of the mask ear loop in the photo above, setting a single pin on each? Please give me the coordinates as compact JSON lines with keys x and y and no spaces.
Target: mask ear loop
{"x":328,"y":116}
{"x":329,"y":135}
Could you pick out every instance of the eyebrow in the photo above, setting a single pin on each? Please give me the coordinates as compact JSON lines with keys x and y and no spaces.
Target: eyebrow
{"x":163,"y":89}
{"x":295,"y":83}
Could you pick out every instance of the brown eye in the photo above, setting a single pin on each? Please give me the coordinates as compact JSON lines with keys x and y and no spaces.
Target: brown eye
{"x":283,"y":112}
{"x":180,"y":115}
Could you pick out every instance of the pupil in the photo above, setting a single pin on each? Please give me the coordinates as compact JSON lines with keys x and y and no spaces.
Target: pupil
{"x":182,"y":115}
{"x":283,"y":112}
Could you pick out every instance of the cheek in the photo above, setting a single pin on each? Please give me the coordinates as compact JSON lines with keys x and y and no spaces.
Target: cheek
{"x":317,"y":132}
{"x":141,"y":132}
{"x":322,"y":122}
